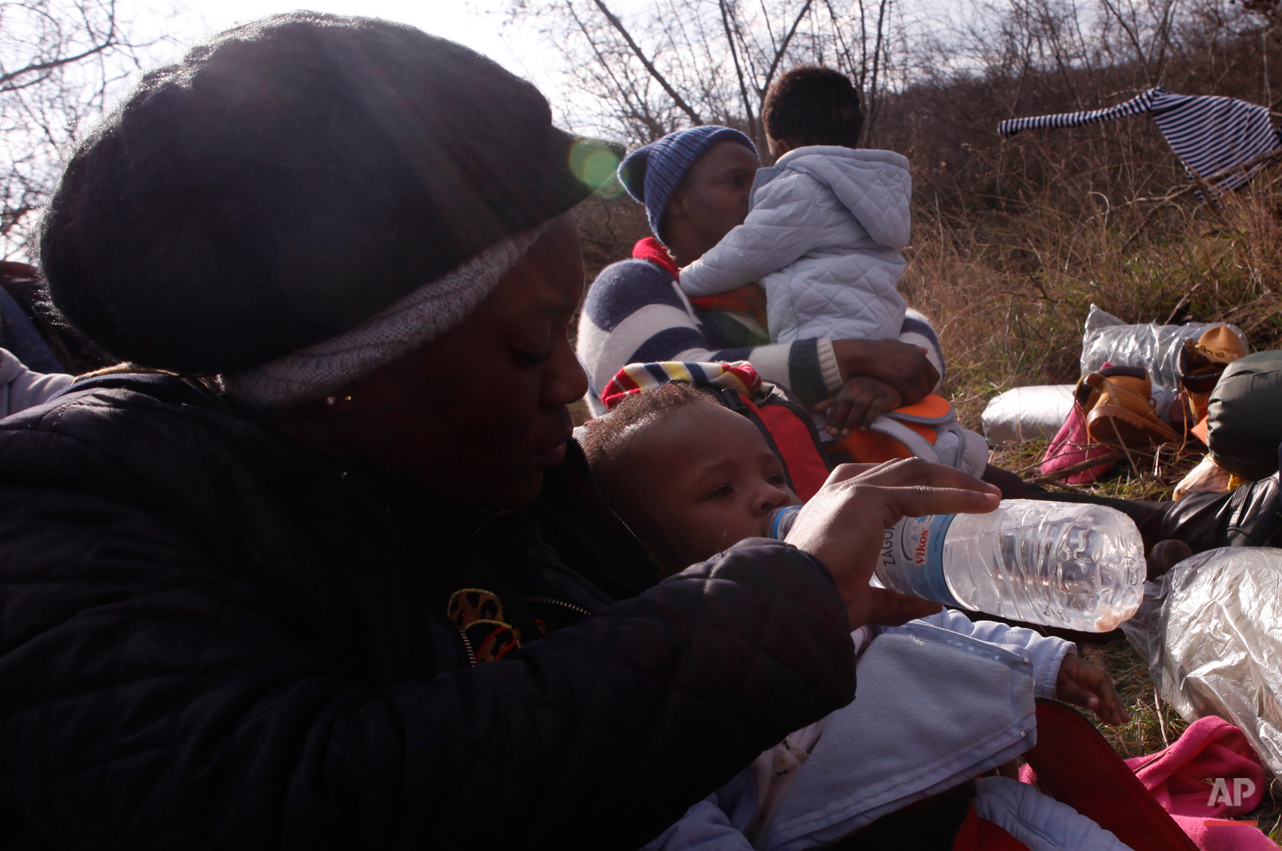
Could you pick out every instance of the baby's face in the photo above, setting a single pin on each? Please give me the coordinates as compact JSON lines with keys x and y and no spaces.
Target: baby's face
{"x":702,"y":479}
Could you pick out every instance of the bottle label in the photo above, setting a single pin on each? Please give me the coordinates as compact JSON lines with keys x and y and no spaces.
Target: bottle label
{"x":912,"y":558}
{"x":781,"y":520}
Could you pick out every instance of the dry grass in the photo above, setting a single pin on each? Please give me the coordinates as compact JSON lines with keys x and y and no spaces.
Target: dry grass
{"x":1154,"y":725}
{"x":1009,"y":292}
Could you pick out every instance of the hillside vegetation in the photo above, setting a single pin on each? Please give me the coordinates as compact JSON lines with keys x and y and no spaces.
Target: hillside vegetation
{"x":1014,"y":239}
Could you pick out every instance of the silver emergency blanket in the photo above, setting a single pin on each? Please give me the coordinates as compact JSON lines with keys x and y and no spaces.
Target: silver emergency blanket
{"x":1156,"y":348}
{"x":1211,"y":631}
{"x":1027,"y":413}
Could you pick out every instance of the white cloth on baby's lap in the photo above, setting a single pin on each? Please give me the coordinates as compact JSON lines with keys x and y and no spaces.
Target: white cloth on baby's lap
{"x":938,"y":701}
{"x":932,"y":709}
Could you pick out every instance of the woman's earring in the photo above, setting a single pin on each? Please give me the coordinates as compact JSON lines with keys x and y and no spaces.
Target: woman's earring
{"x":331,"y":401}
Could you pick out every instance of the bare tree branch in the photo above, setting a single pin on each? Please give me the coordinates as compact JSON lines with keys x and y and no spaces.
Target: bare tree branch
{"x":107,"y":42}
{"x":783,"y":48}
{"x":649,"y":66}
{"x":698,"y":61}
{"x":58,"y":61}
{"x":738,"y":70}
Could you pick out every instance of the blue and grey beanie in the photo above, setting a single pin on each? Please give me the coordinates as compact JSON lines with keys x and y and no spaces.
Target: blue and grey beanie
{"x":652,"y":172}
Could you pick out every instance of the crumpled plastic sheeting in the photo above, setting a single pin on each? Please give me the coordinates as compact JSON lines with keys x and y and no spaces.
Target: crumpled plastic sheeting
{"x":1211,"y":631}
{"x":1027,"y":413}
{"x":1154,"y":347}
{"x":1206,"y":477}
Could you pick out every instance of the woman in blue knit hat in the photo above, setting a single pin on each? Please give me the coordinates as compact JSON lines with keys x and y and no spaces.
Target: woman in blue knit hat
{"x":695,"y":186}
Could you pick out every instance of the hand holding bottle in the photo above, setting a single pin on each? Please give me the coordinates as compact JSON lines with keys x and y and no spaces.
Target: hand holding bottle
{"x":1071,"y":565}
{"x":844,"y":526}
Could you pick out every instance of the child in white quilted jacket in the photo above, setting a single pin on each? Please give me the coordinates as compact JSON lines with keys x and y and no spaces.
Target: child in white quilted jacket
{"x":939,"y":700}
{"x":826,"y":221}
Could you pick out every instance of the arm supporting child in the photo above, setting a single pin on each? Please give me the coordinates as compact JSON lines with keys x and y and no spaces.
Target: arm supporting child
{"x":636,"y":313}
{"x":882,"y":375}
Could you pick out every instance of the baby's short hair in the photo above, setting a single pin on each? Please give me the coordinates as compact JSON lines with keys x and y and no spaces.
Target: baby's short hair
{"x":812,"y":105}
{"x":606,"y":438}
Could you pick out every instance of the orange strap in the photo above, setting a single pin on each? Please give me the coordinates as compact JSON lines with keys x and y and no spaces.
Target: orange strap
{"x":871,"y":447}
{"x":933,"y":406}
{"x":1200,"y":431}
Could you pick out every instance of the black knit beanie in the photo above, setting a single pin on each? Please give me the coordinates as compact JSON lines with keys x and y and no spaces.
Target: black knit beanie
{"x":288,"y":180}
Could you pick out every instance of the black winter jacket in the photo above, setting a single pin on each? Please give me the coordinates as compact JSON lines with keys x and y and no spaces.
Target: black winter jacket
{"x":210,"y":637}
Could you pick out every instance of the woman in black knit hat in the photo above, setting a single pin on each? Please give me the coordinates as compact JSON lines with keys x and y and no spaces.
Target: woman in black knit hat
{"x":357,"y":589}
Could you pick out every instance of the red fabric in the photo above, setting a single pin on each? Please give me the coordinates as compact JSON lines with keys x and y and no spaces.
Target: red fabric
{"x":800,"y":454}
{"x":1074,"y":764}
{"x":651,"y":249}
{"x":1224,"y":835}
{"x":620,"y":387}
{"x":1180,"y":780}
{"x":980,"y":834}
{"x":750,"y":298}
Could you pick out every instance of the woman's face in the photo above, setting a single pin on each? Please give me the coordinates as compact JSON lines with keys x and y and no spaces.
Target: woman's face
{"x":711,"y":200}
{"x":480,"y":411}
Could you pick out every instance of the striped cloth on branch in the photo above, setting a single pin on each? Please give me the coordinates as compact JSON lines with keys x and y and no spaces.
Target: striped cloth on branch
{"x":1209,"y":134}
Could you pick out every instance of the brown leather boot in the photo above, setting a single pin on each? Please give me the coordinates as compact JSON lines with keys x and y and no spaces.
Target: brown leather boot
{"x":1202,"y":363}
{"x":1119,"y":408}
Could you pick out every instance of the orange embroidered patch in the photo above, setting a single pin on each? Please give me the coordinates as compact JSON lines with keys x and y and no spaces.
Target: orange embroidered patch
{"x":478,"y":616}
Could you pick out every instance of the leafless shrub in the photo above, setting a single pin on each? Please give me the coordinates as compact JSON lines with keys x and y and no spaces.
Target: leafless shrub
{"x":690,"y":62}
{"x":58,"y":60}
{"x":1013,"y":239}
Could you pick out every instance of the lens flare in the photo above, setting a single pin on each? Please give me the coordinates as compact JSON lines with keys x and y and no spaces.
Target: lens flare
{"x":595,"y":163}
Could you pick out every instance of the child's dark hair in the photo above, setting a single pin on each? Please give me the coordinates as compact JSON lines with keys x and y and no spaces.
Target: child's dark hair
{"x":812,"y":105}
{"x":606,"y":438}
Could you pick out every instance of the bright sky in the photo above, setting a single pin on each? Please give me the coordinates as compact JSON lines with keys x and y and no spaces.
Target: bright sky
{"x":176,"y":25}
{"x":476,"y":23}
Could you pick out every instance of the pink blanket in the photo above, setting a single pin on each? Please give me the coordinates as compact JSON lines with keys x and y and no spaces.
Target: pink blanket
{"x":1072,"y":445}
{"x":1208,"y":775}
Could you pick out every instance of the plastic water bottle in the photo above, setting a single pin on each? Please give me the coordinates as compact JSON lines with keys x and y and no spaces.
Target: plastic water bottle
{"x":1060,"y":564}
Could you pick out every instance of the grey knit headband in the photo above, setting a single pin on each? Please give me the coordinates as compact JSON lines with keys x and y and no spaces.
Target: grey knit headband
{"x":432,"y":309}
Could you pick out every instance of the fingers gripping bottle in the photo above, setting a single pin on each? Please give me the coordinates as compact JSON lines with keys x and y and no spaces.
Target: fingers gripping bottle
{"x":1053,"y":563}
